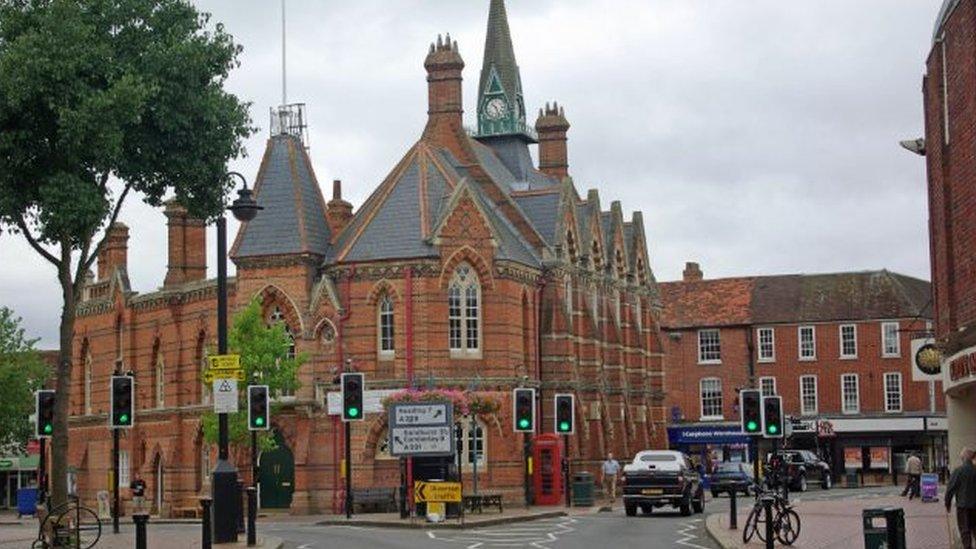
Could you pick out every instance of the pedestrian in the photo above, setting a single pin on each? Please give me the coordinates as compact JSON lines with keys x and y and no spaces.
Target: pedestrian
{"x":962,"y":487}
{"x":913,"y":470}
{"x":610,"y":472}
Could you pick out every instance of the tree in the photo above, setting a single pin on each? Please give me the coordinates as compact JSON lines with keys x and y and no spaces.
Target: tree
{"x":100,"y":99}
{"x":22,"y":371}
{"x":264,"y":354}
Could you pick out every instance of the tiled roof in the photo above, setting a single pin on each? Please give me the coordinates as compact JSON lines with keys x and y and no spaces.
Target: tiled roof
{"x":543,"y":211}
{"x":513,"y":152}
{"x":293,"y":220}
{"x":499,"y":52}
{"x":794,"y":298}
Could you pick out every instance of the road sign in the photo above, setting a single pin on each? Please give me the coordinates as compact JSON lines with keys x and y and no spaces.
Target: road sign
{"x":372,"y":401}
{"x":448,"y":492}
{"x":224,"y":362}
{"x":225,"y":396}
{"x":420,"y":414}
{"x":210,"y":375}
{"x":421,"y":441}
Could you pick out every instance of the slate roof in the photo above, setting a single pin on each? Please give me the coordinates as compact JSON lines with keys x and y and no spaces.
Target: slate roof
{"x":543,"y":211}
{"x":293,"y":220}
{"x":513,"y":152}
{"x":794,"y":298}
{"x":499,"y":52}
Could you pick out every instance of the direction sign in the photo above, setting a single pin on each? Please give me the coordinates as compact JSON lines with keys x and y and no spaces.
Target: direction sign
{"x":420,"y":414}
{"x":421,"y":441}
{"x":225,"y":396}
{"x":372,"y":401}
{"x":448,"y":492}
{"x":210,"y":375}
{"x":224,"y":362}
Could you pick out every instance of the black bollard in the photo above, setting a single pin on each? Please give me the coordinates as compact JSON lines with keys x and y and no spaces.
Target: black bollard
{"x":252,"y":516}
{"x":733,"y":515}
{"x":767,"y":502}
{"x":140,"y":520}
{"x":240,"y":506}
{"x":207,"y":528}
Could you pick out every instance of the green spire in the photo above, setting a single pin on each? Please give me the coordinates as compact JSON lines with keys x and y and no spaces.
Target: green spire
{"x":501,"y":108}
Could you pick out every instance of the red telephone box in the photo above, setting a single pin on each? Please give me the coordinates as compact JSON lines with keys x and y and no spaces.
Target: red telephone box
{"x":547,"y":474}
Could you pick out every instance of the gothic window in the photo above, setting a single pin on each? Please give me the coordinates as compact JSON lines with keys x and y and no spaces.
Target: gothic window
{"x":640,"y":272}
{"x":89,"y":374}
{"x":595,"y":254}
{"x":618,"y":261}
{"x":385,"y":342}
{"x":277,"y":316}
{"x":464,"y":311}
{"x":328,"y":334}
{"x":571,"y":247}
{"x":159,"y":377}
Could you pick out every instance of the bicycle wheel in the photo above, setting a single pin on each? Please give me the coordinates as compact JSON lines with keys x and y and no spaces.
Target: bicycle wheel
{"x":788,"y":527}
{"x":81,"y":523}
{"x":755,"y":525}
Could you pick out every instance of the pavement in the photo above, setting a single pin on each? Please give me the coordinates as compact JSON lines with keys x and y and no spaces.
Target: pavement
{"x":832,"y":520}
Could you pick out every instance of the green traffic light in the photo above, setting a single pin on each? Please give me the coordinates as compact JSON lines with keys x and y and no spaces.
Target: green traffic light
{"x":353,"y":412}
{"x":48,"y":428}
{"x":564,"y":426}
{"x":259,"y":422}
{"x":751,"y":425}
{"x":523,"y":423}
{"x":772,"y":429}
{"x":124,"y":418}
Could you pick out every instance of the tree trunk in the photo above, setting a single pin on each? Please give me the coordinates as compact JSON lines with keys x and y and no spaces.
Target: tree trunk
{"x":59,"y":441}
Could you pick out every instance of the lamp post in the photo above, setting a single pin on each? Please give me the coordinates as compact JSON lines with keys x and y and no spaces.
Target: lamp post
{"x":225,"y":496}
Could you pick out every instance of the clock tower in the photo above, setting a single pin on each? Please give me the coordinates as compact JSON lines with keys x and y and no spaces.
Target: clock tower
{"x":501,"y":107}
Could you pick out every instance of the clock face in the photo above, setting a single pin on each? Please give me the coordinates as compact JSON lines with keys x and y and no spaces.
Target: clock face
{"x":496,"y":109}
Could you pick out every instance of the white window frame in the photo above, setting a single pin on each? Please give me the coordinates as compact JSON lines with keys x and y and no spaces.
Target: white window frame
{"x":884,"y":344}
{"x":701,"y":399}
{"x":888,"y":393}
{"x":856,"y":408}
{"x":771,"y":357}
{"x":385,"y":313}
{"x":123,"y":468}
{"x":840,"y":335}
{"x":804,"y":410}
{"x":762,"y":382}
{"x":471,"y":442}
{"x":465,"y":306}
{"x":718,"y":344}
{"x":799,"y":342}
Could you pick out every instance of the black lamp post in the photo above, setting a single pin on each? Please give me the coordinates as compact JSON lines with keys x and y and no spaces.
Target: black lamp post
{"x":225,"y":488}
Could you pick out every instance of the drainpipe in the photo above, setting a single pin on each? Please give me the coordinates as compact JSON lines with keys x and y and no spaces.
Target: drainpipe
{"x":538,"y":341}
{"x":408,"y":311}
{"x":340,"y":335}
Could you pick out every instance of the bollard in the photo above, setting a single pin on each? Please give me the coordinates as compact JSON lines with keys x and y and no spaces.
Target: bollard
{"x":239,"y":499}
{"x":252,"y":516}
{"x":140,"y":520}
{"x":767,"y":502}
{"x":207,"y":528}
{"x":733,"y":514}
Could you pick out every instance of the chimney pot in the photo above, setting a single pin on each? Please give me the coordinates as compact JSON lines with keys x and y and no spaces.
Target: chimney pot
{"x":692,"y":272}
{"x":115,"y":253}
{"x":336,"y":189}
{"x":338,"y":212}
{"x":187,"y":246}
{"x":444,"y":66}
{"x":552,"y":128}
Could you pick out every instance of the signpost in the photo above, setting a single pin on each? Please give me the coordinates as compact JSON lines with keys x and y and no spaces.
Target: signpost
{"x":421,"y":429}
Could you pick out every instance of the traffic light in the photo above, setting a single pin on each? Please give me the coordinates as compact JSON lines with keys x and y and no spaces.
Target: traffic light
{"x":352,"y":397}
{"x":122,"y":397}
{"x":523,"y":401}
{"x":258,"y":414}
{"x":565,"y":405}
{"x":750,"y":410}
{"x":772,"y":417}
{"x":44,"y":408}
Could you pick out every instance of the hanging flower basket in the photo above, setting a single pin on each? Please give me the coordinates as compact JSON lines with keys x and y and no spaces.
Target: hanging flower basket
{"x":464,"y":403}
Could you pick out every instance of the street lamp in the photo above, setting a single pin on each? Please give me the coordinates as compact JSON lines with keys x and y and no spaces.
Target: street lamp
{"x":225,"y":488}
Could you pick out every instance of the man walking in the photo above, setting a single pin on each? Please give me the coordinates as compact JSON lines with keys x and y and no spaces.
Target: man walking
{"x":913,"y":470}
{"x":610,"y":471}
{"x":962,"y":487}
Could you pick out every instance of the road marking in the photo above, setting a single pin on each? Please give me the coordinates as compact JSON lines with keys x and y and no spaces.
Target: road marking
{"x":686,"y":531}
{"x":539,"y":535}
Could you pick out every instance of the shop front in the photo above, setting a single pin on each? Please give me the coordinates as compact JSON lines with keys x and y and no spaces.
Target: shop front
{"x":959,"y":380}
{"x":16,"y":472}
{"x":709,"y":443}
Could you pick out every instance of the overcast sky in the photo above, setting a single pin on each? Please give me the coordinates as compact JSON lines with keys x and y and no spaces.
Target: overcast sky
{"x":757,"y":137}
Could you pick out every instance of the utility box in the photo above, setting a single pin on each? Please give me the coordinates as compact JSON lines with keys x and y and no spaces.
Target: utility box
{"x":884,"y":528}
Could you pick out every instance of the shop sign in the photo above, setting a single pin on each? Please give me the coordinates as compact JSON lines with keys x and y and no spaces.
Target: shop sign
{"x":880,"y":457}
{"x":825,"y":429}
{"x":801,"y":425}
{"x":852,"y":457}
{"x":707,"y":435}
{"x":962,"y":367}
{"x":6,"y":464}
{"x":926,"y":360}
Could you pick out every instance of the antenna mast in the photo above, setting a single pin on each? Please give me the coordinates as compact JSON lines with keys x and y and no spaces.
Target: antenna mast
{"x":284,"y":63}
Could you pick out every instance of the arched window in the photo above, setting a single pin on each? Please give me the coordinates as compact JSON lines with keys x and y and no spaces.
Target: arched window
{"x":464,"y":311}
{"x":640,"y":272}
{"x":618,"y":260}
{"x":595,"y":254}
{"x":571,"y":247}
{"x":384,"y":332}
{"x":159,"y":377}
{"x":89,"y":374}
{"x":277,"y":316}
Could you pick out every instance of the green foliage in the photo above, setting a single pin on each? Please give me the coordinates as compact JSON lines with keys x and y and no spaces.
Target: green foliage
{"x":22,"y":371}
{"x":264,"y":358}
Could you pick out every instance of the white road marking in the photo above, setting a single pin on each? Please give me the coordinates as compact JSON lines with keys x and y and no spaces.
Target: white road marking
{"x":686,"y":532}
{"x":539,"y":535}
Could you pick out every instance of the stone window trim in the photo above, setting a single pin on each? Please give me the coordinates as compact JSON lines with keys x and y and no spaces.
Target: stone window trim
{"x":709,"y":346}
{"x":464,"y":304}
{"x":766,"y":348}
{"x":806,"y":342}
{"x":710,"y":399}
{"x":847,"y":334}
{"x":890,"y":340}
{"x":850,"y":393}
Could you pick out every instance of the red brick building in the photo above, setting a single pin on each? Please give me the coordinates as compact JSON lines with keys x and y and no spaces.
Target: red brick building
{"x":467,"y":267}
{"x":950,"y":119}
{"x":836,"y":347}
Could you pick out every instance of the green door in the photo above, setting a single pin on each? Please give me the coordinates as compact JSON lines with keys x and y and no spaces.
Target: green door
{"x":277,"y":476}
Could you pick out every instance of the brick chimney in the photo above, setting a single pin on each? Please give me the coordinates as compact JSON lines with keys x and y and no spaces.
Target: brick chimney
{"x":552,"y":127}
{"x":338,"y":212}
{"x":692,"y":272}
{"x":187,"y":246}
{"x":444,"y":66}
{"x":115,"y":253}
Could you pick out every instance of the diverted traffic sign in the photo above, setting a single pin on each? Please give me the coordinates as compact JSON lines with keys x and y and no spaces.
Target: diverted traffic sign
{"x":446,"y":492}
{"x":421,"y":429}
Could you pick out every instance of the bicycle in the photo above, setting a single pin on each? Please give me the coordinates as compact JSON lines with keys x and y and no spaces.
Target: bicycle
{"x":69,"y":525}
{"x":786,"y":521}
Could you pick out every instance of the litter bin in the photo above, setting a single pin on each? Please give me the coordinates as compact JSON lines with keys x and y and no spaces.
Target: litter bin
{"x":889,"y":536}
{"x":26,"y":501}
{"x":583,"y":489}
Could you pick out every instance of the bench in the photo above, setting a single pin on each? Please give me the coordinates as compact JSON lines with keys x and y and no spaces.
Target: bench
{"x":478,"y":502}
{"x":378,"y":500}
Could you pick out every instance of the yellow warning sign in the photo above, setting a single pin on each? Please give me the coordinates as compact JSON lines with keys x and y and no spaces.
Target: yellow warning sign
{"x":224,"y":362}
{"x":449,"y":492}
{"x":210,"y":375}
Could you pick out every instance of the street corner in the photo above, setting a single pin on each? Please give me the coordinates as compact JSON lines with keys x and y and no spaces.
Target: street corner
{"x":717,"y":527}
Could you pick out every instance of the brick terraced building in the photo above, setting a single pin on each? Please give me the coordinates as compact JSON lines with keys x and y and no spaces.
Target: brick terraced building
{"x":836,"y":347}
{"x":467,"y":267}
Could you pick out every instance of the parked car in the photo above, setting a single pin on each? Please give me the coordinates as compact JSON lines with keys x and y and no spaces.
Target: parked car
{"x":804,"y":467}
{"x":661,"y":477}
{"x":731,"y":477}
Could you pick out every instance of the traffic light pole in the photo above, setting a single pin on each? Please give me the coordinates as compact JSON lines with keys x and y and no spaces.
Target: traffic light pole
{"x":115,"y":481}
{"x":42,"y":473}
{"x":566,"y":470}
{"x":348,"y":473}
{"x":527,"y":459}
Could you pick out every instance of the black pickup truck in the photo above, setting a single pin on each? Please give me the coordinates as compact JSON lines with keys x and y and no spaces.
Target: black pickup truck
{"x":660,"y":477}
